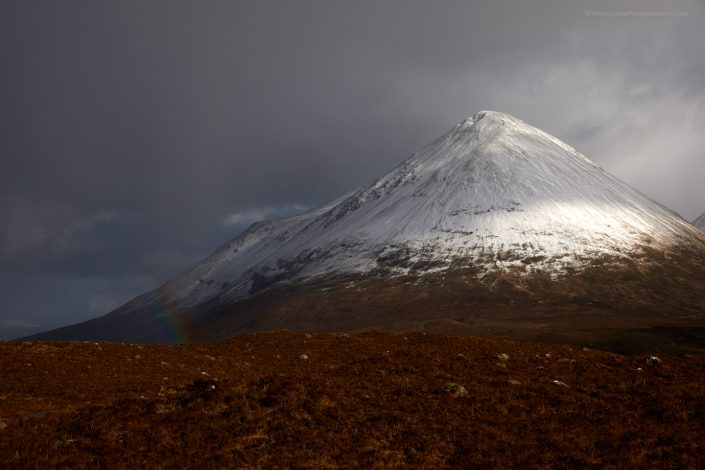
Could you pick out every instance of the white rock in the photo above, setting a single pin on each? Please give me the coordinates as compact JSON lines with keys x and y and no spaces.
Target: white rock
{"x":654,"y":361}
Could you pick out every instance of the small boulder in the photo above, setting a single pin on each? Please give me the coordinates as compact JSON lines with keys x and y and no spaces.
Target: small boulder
{"x":503,"y":357}
{"x":560,"y":384}
{"x":654,"y":361}
{"x":514,"y":382}
{"x":455,"y":390}
{"x":3,"y":426}
{"x":303,"y":357}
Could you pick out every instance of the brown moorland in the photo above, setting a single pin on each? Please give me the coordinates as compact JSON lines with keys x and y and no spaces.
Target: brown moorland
{"x":372,"y":400}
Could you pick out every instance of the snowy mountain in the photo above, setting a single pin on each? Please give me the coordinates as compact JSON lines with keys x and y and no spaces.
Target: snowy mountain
{"x":700,"y":221}
{"x":494,"y":196}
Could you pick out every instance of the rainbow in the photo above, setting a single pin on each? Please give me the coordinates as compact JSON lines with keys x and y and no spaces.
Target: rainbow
{"x":168,"y":325}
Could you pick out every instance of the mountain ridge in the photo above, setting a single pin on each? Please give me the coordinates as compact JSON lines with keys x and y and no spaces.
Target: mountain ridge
{"x":700,"y":221}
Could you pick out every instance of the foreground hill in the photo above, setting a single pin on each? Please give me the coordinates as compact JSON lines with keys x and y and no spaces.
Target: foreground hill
{"x":373,"y":400}
{"x":495,"y":216}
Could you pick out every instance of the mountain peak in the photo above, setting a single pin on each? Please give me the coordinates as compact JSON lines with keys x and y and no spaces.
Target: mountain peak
{"x":489,"y":117}
{"x":485,"y":123}
{"x":485,"y":127}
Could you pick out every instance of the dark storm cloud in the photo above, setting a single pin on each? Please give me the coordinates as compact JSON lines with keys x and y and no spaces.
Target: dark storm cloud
{"x":136,"y":137}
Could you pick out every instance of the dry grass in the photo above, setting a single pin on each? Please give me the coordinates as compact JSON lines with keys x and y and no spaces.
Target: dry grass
{"x":374,"y":400}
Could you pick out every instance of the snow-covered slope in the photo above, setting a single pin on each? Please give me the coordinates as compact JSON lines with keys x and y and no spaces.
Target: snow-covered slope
{"x":700,"y":221}
{"x":494,"y":193}
{"x":491,"y":186}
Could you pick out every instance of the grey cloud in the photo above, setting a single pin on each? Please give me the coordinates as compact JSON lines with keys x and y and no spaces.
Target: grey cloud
{"x":17,"y":324}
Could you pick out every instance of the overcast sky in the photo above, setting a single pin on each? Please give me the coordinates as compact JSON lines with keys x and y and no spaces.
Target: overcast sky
{"x":136,"y":137}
